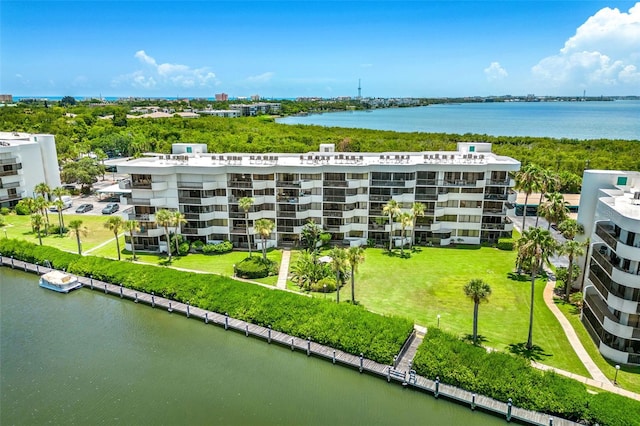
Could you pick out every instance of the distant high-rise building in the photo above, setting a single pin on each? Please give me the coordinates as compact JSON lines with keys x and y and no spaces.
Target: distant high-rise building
{"x":6,"y":99}
{"x":222,"y":97}
{"x":255,"y":97}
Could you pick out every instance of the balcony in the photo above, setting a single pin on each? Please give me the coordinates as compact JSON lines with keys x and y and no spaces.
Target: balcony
{"x":502,"y":197}
{"x":10,"y":160}
{"x":335,"y":183}
{"x":138,"y":202}
{"x":494,"y":212}
{"x":498,"y":182}
{"x":190,"y":185}
{"x":239,"y":184}
{"x":9,"y":185}
{"x":607,"y":234}
{"x":288,"y":184}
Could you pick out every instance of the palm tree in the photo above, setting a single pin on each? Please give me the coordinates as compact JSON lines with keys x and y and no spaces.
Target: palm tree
{"x":177,"y":219}
{"x":245,"y":204}
{"x":37,"y":221}
{"x":535,"y":246}
{"x":44,"y":190}
{"x":76,"y":228}
{"x":264,"y":227}
{"x":417,"y":210}
{"x":114,"y":224}
{"x":478,"y":291}
{"x":547,"y":183}
{"x":572,"y":249}
{"x":355,"y":256}
{"x":131,"y":226}
{"x":527,"y":182}
{"x":164,"y":219}
{"x":41,"y":205}
{"x":554,"y":209}
{"x":570,"y":228}
{"x":338,"y":266}
{"x":391,"y":209}
{"x":58,"y":193}
{"x":405,"y":221}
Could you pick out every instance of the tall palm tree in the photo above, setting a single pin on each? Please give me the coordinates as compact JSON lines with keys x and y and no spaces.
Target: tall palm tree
{"x":554,"y":209}
{"x":535,"y":246}
{"x":58,"y":193}
{"x":264,"y":227}
{"x":547,"y":183}
{"x":77,"y":229}
{"x":164,"y":219}
{"x":391,"y":209}
{"x":405,"y":221}
{"x":570,"y":228}
{"x":245,"y":204}
{"x":572,"y":249}
{"x":177,"y":219}
{"x":41,"y":205}
{"x":417,"y":210}
{"x":338,"y":266}
{"x":355,"y":256}
{"x":131,"y":226}
{"x":478,"y":291}
{"x":44,"y":190}
{"x":115,"y":224}
{"x":527,"y":182}
{"x":37,"y":221}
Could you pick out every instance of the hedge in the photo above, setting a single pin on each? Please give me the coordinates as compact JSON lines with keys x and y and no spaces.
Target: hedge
{"x":344,"y":327}
{"x":501,"y":376}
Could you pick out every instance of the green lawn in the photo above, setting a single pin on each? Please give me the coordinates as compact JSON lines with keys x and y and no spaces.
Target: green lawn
{"x":628,"y":377}
{"x":430,"y":283}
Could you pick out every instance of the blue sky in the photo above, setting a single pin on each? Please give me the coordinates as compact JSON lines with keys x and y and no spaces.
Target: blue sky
{"x":306,"y":48}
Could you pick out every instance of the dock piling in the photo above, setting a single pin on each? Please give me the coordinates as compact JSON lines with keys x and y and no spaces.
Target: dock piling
{"x":226,"y":321}
{"x":437,"y":390}
{"x":361,"y":362}
{"x":25,"y":266}
{"x":105,"y":289}
{"x":550,"y":421}
{"x":11,"y":262}
{"x":292,"y":343}
{"x":509,"y":405}
{"x":120,"y":290}
{"x":246,"y":330}
{"x":334,"y":356}
{"x":170,"y":308}
{"x":187,"y":309}
{"x":91,"y":281}
{"x":389,"y":374}
{"x":473,"y":401}
{"x":136,"y":299}
{"x":153,"y":300}
{"x":308,"y":346}
{"x":37,"y":268}
{"x":269,"y":334}
{"x":206,"y":317}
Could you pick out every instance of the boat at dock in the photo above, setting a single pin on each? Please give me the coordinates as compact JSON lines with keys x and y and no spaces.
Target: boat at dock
{"x":59,"y":281}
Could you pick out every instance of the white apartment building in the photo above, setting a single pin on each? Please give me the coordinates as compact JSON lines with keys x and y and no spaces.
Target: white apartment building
{"x":610,"y":212}
{"x":25,"y":161}
{"x":467,"y":194}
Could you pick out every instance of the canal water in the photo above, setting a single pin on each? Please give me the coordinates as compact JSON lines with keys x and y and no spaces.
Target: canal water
{"x":87,"y":358}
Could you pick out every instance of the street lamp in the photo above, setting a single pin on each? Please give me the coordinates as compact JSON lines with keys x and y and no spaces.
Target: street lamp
{"x":324,"y":286}
{"x":615,"y":378}
{"x":5,"y":233}
{"x":438,"y":320}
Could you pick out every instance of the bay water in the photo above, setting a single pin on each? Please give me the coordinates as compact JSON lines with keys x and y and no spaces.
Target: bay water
{"x":571,"y":120}
{"x":88,"y":358}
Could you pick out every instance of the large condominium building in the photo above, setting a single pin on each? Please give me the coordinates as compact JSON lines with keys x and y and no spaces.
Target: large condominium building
{"x":610,"y":212}
{"x":466,"y":193}
{"x":25,"y":161}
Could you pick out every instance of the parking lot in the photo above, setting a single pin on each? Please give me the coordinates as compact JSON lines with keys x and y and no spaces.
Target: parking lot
{"x":98,"y":200}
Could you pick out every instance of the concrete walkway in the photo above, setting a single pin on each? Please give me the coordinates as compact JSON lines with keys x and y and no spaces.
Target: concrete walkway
{"x":283,"y":273}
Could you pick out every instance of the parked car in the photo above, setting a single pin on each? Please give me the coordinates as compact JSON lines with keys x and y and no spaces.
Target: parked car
{"x":66,"y":203}
{"x":110,"y":208}
{"x":83,"y":208}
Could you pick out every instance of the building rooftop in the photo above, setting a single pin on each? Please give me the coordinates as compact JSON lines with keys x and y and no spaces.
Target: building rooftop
{"x":626,"y":203}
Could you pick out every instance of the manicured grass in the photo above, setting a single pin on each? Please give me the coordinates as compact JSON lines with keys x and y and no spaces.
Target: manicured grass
{"x":628,"y":377}
{"x":20,"y":227}
{"x":430,"y":282}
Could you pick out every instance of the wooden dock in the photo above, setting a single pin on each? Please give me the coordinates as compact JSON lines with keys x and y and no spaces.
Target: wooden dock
{"x":400,"y":373}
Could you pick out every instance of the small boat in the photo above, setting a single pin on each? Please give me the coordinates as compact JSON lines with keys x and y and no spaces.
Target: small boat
{"x":59,"y":281}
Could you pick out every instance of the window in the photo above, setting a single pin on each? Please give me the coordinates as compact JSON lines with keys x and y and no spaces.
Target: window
{"x":622,"y":181}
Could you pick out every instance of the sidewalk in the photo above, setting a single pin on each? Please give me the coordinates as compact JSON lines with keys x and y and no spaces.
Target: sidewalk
{"x":283,"y":273}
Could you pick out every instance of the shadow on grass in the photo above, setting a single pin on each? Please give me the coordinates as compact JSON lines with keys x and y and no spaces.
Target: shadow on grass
{"x":574,"y":309}
{"x":536,"y":353}
{"x":514,"y":276}
{"x":480,"y":340}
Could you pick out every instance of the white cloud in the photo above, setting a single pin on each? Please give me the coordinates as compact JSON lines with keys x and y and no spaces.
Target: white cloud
{"x":165,"y":75}
{"x":495,"y":72}
{"x":604,"y":52}
{"x":262,"y":78}
{"x":366,"y":65}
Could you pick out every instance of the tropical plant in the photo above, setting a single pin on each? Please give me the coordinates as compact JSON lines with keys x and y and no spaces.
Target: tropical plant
{"x":45,"y":191}
{"x":306,"y":271}
{"x":41,"y":205}
{"x":417,"y":210}
{"x":355,"y":256}
{"x":527,"y":182}
{"x":311,"y":235}
{"x":177,"y":219}
{"x":570,"y":228}
{"x":131,"y":226}
{"x":76,"y":228}
{"x":264,"y":227}
{"x":571,"y":249}
{"x":478,"y":291}
{"x":245,"y":204}
{"x":115,"y":224}
{"x":554,"y":209}
{"x":37,"y":222}
{"x":547,"y":183}
{"x":58,"y":193}
{"x":535,"y":246}
{"x":405,"y":222}
{"x":391,"y":210}
{"x":164,"y":218}
{"x":26,"y":206}
{"x":339,"y":266}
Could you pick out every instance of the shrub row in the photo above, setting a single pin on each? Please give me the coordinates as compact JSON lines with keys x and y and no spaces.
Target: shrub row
{"x":502,"y":376}
{"x":345,"y":327}
{"x":256,"y":267}
{"x":219,"y":248}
